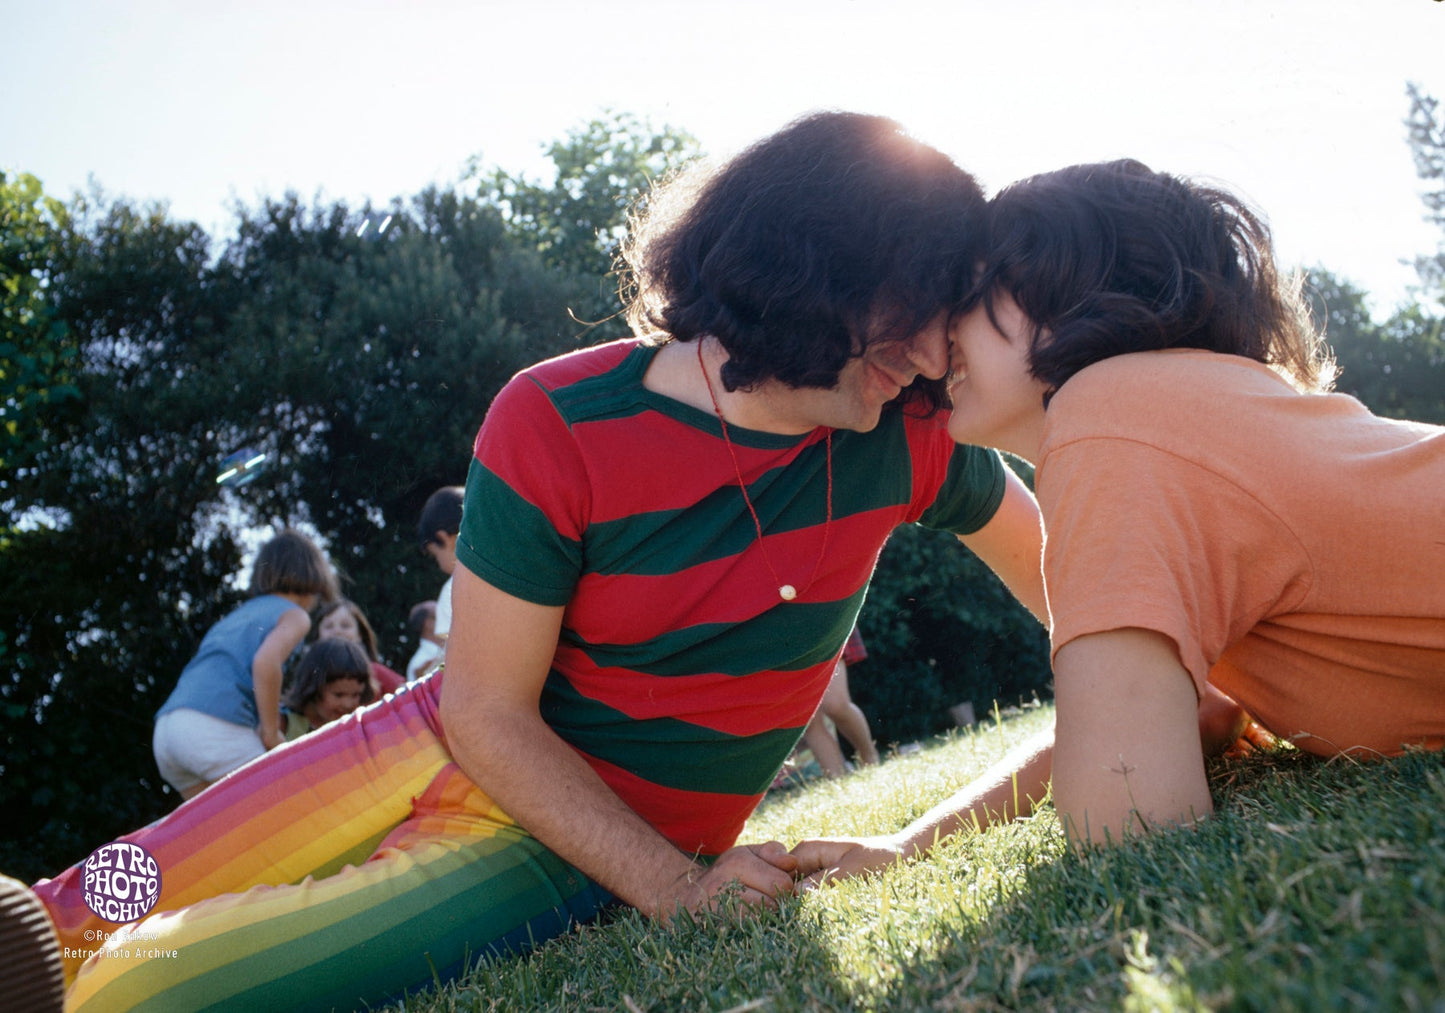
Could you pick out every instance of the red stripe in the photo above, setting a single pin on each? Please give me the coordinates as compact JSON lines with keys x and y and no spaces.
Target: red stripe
{"x":663,"y":473}
{"x":733,"y":705}
{"x":569,"y":367}
{"x":604,"y":608}
{"x":695,"y":822}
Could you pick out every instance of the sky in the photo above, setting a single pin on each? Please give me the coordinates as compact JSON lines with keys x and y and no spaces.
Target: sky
{"x":1297,"y":104}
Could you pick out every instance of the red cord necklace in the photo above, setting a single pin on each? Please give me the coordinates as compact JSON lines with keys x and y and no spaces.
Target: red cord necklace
{"x":787,"y":592}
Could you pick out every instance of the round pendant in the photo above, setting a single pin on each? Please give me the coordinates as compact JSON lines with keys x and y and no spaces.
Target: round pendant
{"x":787,"y":592}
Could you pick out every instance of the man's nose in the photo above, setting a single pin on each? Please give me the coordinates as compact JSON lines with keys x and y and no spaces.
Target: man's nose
{"x":928,"y":350}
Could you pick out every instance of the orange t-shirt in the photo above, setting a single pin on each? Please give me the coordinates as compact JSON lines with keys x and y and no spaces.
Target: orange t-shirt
{"x":1292,"y":546}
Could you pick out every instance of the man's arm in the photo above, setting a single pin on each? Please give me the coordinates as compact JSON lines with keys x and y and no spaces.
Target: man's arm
{"x":497,"y":658}
{"x":1012,"y":544}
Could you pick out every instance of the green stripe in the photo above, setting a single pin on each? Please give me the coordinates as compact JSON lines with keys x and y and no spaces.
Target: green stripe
{"x":666,"y":751}
{"x":792,"y":497}
{"x":791,"y":635}
{"x":613,"y":394}
{"x":882,"y":455}
{"x":970,"y":494}
{"x":619,"y":393}
{"x":532,"y":559}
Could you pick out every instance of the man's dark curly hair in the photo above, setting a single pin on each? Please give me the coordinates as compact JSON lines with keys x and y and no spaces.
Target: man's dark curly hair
{"x":838,"y":231}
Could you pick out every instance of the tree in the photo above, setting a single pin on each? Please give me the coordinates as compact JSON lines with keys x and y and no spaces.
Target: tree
{"x":1425,"y":125}
{"x":941,"y":630}
{"x":98,"y":587}
{"x":37,"y":379}
{"x":1397,"y":368}
{"x":381,"y":356}
{"x":37,"y":359}
{"x":577,"y":221}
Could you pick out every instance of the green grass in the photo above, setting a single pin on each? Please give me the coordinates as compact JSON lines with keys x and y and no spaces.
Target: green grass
{"x":1317,"y":886}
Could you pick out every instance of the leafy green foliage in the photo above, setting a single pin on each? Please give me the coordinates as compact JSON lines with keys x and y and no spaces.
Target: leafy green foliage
{"x":578,"y":220}
{"x":941,"y":630}
{"x":36,"y":355}
{"x":1397,"y":368}
{"x":101,"y":588}
{"x":362,"y":368}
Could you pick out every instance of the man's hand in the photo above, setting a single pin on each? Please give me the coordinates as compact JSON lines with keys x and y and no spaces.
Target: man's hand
{"x":271,"y":738}
{"x":826,"y":859}
{"x":764,"y":872}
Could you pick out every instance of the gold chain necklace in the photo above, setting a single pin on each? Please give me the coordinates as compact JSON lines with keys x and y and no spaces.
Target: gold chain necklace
{"x":787,"y":592}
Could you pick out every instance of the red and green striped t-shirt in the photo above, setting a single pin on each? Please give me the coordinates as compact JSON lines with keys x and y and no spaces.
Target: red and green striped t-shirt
{"x":680,"y":675}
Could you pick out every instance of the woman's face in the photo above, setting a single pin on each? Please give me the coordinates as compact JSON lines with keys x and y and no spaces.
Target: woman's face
{"x":997,"y":402}
{"x":339,"y":624}
{"x":338,"y":698}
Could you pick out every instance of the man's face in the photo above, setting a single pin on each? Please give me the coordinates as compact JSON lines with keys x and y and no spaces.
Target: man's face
{"x":870,"y":381}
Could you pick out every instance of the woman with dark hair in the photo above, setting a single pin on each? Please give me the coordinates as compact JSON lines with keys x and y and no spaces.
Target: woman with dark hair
{"x":1216,"y":520}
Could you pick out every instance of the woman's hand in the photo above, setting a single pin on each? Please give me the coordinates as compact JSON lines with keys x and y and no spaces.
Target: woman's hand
{"x":825,"y":859}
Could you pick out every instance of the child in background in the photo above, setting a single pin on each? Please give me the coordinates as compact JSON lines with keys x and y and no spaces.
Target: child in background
{"x":225,"y":709}
{"x":440,"y":523}
{"x":332,"y":679}
{"x":344,"y":620}
{"x":422,"y":623}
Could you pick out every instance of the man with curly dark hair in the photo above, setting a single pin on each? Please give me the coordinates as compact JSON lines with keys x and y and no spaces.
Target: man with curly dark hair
{"x":664,"y":544}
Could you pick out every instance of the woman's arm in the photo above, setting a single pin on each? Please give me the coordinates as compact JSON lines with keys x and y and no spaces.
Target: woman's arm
{"x":1127,"y":752}
{"x":1007,"y":790}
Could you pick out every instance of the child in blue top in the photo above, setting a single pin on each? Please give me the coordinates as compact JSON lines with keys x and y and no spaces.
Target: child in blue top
{"x":225,"y":709}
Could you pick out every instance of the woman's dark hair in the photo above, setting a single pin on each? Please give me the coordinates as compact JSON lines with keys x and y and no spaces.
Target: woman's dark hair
{"x":837,"y":231}
{"x":291,"y":563}
{"x":323,"y":662}
{"x":1112,"y":258}
{"x":368,"y":635}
